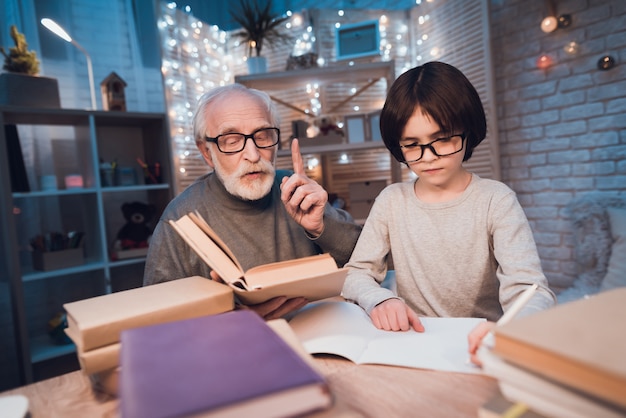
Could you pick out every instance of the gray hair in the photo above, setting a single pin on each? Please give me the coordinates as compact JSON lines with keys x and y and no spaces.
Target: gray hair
{"x":199,"y":121}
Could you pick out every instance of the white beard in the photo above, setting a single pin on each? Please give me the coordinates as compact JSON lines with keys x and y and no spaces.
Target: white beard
{"x":244,"y":190}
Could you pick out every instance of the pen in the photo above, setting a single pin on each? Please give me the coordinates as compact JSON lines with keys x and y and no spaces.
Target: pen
{"x":517,"y":306}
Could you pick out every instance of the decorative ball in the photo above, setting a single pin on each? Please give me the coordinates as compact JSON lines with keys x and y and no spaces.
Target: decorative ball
{"x":571,"y":48}
{"x":549,"y":24}
{"x":544,"y":61}
{"x":606,"y":63}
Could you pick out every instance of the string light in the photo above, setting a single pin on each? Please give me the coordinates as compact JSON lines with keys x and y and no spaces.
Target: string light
{"x":544,"y":61}
{"x":198,"y":57}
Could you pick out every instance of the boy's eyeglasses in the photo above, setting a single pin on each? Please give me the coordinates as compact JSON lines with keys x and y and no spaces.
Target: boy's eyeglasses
{"x":441,"y":147}
{"x":234,"y":142}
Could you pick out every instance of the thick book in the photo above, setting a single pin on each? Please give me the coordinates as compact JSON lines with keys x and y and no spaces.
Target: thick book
{"x":227,"y":365}
{"x":344,"y":329}
{"x":543,"y":395}
{"x":107,"y":357}
{"x":97,"y":322}
{"x":579,"y":344}
{"x":314,"y":277}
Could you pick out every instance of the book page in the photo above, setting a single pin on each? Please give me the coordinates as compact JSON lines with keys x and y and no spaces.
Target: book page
{"x":208,"y":250}
{"x":345,"y":329}
{"x":199,"y":220}
{"x":289,"y":270}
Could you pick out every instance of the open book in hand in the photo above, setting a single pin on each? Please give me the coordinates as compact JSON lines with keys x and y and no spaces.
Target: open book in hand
{"x":315,"y":277}
{"x":345,"y":329}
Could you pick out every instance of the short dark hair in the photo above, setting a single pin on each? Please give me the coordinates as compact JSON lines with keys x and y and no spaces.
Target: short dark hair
{"x":442,"y":92}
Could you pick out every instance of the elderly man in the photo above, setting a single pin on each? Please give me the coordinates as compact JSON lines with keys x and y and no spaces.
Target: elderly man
{"x":262,"y":214}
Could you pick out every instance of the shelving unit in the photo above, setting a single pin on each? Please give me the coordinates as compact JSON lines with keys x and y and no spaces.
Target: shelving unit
{"x":362,"y":74}
{"x":59,"y":142}
{"x":340,"y":85}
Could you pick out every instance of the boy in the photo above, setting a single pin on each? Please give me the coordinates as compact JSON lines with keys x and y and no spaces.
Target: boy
{"x":461,"y":245}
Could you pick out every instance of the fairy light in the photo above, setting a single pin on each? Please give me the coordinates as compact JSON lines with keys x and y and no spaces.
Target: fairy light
{"x":198,"y":56}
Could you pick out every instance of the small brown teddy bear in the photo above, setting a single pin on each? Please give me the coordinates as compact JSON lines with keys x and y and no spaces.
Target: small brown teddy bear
{"x":137,"y":231}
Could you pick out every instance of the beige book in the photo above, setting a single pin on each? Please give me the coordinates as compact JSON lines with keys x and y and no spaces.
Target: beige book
{"x":580,"y":344}
{"x":315,"y":277}
{"x":97,"y":322}
{"x":107,"y":357}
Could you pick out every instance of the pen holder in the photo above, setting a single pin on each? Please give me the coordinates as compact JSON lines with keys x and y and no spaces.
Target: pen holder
{"x":53,"y":260}
{"x":152,"y":174}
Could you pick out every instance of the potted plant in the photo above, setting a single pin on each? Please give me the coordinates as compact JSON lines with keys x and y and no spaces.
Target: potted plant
{"x":21,"y":85}
{"x":259,"y":27}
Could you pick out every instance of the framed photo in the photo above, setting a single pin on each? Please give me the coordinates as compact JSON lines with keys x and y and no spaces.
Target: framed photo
{"x":356,"y":129}
{"x":373,"y":124}
{"x":357,"y":40}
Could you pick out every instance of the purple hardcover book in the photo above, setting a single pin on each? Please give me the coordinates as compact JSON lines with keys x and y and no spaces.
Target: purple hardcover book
{"x":230,"y":364}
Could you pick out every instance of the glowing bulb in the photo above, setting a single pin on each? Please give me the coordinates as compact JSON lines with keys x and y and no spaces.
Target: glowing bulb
{"x":544,"y":61}
{"x":549,"y":24}
{"x":571,"y":48}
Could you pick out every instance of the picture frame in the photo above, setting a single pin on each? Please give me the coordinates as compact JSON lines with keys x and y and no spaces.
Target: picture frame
{"x":357,"y":40}
{"x":373,"y":125}
{"x":355,"y":128}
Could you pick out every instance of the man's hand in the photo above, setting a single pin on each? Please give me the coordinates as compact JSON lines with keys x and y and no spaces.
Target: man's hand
{"x":277,"y":307}
{"x":274,"y":308}
{"x":303,"y":198}
{"x":395,"y":315}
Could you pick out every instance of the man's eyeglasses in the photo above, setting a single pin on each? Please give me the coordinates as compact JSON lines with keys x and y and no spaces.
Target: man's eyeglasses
{"x":441,"y":147}
{"x":234,"y":142}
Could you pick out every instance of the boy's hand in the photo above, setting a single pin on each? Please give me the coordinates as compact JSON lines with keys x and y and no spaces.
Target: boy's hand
{"x":475,"y":338}
{"x":395,"y":315}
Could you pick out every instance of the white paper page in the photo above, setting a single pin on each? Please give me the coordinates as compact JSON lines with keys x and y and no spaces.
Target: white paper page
{"x":345,"y":329}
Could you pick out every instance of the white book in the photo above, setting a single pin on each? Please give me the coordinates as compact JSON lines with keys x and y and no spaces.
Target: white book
{"x":541,"y":394}
{"x":345,"y":329}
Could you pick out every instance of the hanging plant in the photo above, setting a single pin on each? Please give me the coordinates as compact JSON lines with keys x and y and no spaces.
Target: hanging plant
{"x":19,"y":59}
{"x":259,"y":27}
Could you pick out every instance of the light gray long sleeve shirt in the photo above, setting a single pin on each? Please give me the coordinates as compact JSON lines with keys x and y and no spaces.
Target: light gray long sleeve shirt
{"x":257,"y":232}
{"x":468,"y":257}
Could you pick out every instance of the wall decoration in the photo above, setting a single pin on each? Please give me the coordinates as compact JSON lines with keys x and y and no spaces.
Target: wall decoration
{"x":357,"y":40}
{"x":606,"y":63}
{"x":373,"y":125}
{"x":112,"y":90}
{"x":356,"y":128}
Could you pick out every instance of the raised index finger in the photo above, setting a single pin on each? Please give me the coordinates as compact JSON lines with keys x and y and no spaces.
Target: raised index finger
{"x":296,"y":157}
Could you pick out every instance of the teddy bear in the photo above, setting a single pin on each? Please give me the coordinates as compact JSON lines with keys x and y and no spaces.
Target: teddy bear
{"x":327,"y":125}
{"x":137,"y":231}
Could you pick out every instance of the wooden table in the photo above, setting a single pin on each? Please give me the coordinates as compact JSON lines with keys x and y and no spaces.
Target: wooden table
{"x":360,"y":390}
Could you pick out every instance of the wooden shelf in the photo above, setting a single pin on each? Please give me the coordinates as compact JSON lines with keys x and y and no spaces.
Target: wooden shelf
{"x":323,"y":149}
{"x":91,"y":137}
{"x":323,"y":75}
{"x":365,"y":73}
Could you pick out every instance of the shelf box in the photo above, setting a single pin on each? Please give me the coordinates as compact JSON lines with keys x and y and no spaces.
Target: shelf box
{"x":54,"y":260}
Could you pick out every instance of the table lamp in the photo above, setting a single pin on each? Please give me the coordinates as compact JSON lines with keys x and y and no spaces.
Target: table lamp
{"x":54,"y":27}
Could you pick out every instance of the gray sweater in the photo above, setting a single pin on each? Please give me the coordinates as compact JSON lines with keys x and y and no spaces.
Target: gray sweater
{"x":469,"y":257}
{"x":257,"y":232}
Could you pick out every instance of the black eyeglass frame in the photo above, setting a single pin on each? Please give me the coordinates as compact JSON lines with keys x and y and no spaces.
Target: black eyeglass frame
{"x":245,"y":139}
{"x":463,"y":136}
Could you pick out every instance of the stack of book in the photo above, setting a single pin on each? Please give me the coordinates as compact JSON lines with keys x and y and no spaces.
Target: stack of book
{"x":95,"y":324}
{"x":567,"y":361}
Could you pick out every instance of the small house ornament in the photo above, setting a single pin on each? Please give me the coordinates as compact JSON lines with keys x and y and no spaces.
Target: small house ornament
{"x":112,"y":89}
